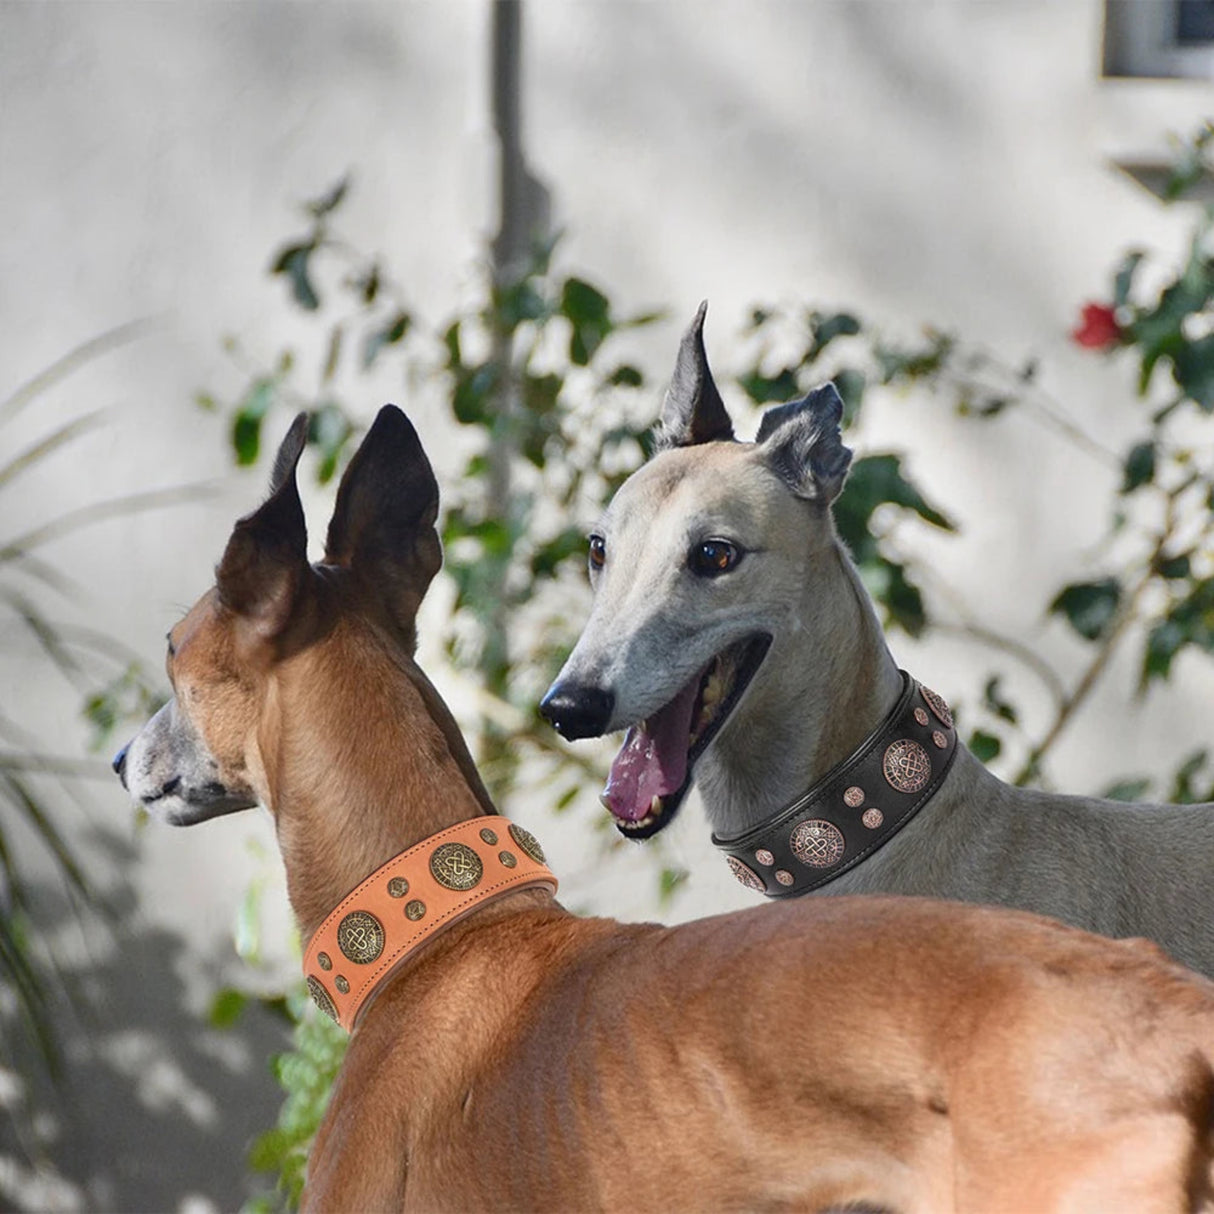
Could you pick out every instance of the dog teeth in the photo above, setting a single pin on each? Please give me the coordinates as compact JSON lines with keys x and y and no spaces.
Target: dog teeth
{"x":713,"y":689}
{"x":655,"y":807}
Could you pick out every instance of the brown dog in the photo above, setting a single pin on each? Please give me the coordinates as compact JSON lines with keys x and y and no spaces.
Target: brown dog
{"x":858,"y":1054}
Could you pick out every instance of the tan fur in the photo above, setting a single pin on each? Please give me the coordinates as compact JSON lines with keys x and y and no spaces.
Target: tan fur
{"x":868,"y":1054}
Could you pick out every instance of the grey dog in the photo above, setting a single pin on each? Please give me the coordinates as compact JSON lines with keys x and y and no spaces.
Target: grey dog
{"x":730,"y":633}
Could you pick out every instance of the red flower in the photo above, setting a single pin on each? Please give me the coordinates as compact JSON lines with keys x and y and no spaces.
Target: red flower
{"x":1098,"y":329}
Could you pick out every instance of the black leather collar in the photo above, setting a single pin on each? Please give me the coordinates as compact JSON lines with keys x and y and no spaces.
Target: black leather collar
{"x":856,"y":806}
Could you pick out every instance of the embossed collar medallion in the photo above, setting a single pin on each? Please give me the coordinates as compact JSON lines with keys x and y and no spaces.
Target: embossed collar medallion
{"x":856,"y":807}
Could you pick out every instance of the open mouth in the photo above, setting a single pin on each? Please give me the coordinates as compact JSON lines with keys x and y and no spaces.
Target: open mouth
{"x":652,"y":772}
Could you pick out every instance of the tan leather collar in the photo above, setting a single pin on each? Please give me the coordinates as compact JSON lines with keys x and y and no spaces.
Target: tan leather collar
{"x":408,"y":901}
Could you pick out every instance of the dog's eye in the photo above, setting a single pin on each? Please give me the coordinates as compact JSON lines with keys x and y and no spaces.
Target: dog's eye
{"x":598,"y":552}
{"x":710,"y":558}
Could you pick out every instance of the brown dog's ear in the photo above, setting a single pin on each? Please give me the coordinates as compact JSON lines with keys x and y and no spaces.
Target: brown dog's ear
{"x":383,"y":522}
{"x":803,"y":446}
{"x":266,"y":560}
{"x":693,"y":411}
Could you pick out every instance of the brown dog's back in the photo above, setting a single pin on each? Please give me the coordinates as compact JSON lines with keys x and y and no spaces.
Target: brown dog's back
{"x":909,"y":1055}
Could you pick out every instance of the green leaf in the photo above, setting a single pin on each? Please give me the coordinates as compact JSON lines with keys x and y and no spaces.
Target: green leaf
{"x":824,"y":329}
{"x":588,"y":310}
{"x":246,"y":425}
{"x":566,"y":798}
{"x":872,"y":482}
{"x":293,"y":263}
{"x":1164,"y":642}
{"x":368,"y":285}
{"x":548,"y":558}
{"x":895,"y":363}
{"x":766,"y":389}
{"x":471,"y":397}
{"x":1174,"y":567}
{"x":993,"y":699}
{"x":248,"y":925}
{"x":670,"y":881}
{"x":330,"y":200}
{"x":333,"y":356}
{"x":1193,"y":371}
{"x":1159,"y":331}
{"x":626,"y":376}
{"x":851,"y":385}
{"x":1139,"y":467}
{"x":1190,"y":621}
{"x":540,"y":393}
{"x":890,"y":588}
{"x":1132,"y":789}
{"x":1183,"y":791}
{"x":226,"y":1008}
{"x":1089,"y":607}
{"x":387,"y":335}
{"x":518,"y":302}
{"x":985,"y":746}
{"x":1123,"y":280}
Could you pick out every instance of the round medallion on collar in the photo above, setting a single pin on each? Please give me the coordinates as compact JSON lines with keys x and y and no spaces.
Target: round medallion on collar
{"x":360,"y":937}
{"x":906,"y":766}
{"x":320,"y":997}
{"x":938,"y":705}
{"x":456,"y":866}
{"x":528,"y":843}
{"x":817,"y":843}
{"x":747,"y":876}
{"x":854,"y":796}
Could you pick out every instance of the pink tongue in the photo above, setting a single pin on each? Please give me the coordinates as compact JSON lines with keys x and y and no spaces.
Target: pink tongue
{"x":653,"y":760}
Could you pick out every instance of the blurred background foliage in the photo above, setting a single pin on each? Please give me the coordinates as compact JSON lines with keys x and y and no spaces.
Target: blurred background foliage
{"x":36,"y":777}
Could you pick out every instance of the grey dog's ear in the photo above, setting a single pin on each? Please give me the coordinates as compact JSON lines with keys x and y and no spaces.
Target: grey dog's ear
{"x":693,"y":411}
{"x":803,"y":446}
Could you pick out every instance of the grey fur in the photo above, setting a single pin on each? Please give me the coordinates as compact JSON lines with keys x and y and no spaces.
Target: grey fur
{"x":693,"y":411}
{"x":804,"y":446}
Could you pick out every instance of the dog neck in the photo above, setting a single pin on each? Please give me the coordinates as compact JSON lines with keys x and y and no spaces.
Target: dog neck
{"x":789,"y":731}
{"x":351,"y":789}
{"x":857,"y":807}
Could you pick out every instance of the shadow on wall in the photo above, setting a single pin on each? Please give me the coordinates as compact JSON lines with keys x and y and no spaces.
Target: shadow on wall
{"x":153,"y":1109}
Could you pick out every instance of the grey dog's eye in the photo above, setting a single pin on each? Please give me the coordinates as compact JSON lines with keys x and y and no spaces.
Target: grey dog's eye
{"x":711,"y":558}
{"x":598,"y":552}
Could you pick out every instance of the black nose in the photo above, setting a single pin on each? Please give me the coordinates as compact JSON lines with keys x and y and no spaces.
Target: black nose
{"x":119,"y":764}
{"x":577,"y":712}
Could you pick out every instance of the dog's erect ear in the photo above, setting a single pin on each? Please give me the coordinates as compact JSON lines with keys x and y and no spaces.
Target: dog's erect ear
{"x":693,"y":411}
{"x":802,"y":444}
{"x":266,"y":559}
{"x":383,"y":523}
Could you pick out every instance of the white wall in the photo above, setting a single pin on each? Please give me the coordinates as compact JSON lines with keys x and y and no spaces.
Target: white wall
{"x":943,"y":163}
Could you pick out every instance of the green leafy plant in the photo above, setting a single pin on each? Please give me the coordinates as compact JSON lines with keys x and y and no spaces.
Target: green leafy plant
{"x":35,"y":776}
